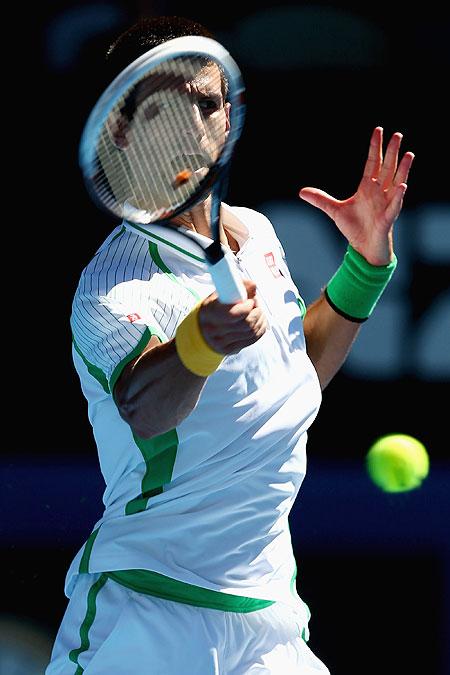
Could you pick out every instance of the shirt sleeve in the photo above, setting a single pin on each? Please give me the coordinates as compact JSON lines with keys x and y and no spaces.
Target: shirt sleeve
{"x":111,"y":329}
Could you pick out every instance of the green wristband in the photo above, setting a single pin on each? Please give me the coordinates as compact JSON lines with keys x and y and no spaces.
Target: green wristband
{"x":356,"y":287}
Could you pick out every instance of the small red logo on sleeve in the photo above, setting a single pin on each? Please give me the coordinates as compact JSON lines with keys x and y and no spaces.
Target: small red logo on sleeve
{"x":271,"y":264}
{"x":133,"y":317}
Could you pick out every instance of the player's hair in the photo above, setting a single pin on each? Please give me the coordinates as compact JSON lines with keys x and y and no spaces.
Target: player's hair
{"x":149,"y":32}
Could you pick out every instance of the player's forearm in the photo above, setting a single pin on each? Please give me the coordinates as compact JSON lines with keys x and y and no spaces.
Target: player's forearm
{"x":156,"y":393}
{"x":329,"y":337}
{"x":333,"y":321}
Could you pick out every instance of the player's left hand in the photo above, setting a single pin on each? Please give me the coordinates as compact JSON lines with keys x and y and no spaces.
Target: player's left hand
{"x":366,"y":219}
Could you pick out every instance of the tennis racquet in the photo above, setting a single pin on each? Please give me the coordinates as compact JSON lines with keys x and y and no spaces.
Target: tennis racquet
{"x":157,"y":142}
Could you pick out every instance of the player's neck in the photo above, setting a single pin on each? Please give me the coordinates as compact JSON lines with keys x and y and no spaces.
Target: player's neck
{"x":198,"y":219}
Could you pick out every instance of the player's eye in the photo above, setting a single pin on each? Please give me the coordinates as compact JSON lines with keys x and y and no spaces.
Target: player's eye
{"x":208,"y":105}
{"x":152,"y":110}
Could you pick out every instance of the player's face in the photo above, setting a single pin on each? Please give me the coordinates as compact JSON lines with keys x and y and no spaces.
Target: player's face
{"x":199,"y":106}
{"x":198,"y":103}
{"x":175,"y":125}
{"x":208,"y":123}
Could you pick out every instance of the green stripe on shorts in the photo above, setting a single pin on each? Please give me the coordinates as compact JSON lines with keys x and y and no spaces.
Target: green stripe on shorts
{"x":87,"y":622}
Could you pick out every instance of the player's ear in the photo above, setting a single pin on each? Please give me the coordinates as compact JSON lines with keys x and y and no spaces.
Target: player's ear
{"x":118,"y":130}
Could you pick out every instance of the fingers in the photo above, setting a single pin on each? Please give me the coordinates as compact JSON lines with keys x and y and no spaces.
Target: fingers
{"x":395,"y":205}
{"x":254,"y":324}
{"x":232,"y":343}
{"x":241,"y":310}
{"x":250,"y":287}
{"x":229,"y":328}
{"x":320,"y":199}
{"x":389,"y":167}
{"x":227,"y":324}
{"x":375,"y":156}
{"x":403,"y":169}
{"x":387,"y":173}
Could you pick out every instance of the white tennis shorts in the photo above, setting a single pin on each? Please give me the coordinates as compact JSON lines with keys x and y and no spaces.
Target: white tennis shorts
{"x":108,"y":629}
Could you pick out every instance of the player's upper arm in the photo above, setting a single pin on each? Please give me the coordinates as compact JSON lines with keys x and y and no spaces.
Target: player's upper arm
{"x":123,"y":386}
{"x":155,"y":392}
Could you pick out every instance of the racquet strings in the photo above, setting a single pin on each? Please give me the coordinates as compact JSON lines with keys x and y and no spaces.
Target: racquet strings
{"x":160,"y":140}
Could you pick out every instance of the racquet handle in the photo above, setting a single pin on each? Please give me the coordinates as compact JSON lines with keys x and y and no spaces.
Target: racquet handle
{"x":227,"y":280}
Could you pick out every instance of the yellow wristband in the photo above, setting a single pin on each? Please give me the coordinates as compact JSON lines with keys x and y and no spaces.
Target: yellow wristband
{"x":194,"y":352}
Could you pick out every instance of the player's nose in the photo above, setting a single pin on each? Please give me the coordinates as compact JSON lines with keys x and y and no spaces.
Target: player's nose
{"x":195,"y":130}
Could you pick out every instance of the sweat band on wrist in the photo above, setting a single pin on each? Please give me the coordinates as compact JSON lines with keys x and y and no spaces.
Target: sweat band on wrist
{"x":356,"y":286}
{"x":194,"y":352}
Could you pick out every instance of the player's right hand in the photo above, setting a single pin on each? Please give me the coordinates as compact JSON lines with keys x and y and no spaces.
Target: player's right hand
{"x":229,"y":328}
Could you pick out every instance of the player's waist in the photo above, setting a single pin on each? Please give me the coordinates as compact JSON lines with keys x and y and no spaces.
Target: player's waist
{"x":161,"y":586}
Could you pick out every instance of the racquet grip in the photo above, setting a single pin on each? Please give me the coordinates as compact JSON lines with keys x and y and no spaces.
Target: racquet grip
{"x":227,"y":280}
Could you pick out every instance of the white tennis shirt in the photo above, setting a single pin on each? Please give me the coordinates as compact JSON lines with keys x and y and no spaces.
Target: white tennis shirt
{"x":207,"y":503}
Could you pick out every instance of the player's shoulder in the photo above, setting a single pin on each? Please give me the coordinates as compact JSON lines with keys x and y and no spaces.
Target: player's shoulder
{"x":122,"y":253}
{"x":119,"y":268}
{"x":257,"y":223}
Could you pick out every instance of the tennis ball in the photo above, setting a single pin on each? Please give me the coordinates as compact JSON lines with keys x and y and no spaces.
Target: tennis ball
{"x":397,"y":463}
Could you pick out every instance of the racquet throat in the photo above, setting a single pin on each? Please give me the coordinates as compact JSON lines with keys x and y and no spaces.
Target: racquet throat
{"x":199,"y":219}
{"x":214,"y":253}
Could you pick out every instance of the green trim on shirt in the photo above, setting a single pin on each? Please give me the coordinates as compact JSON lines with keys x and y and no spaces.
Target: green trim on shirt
{"x":141,"y":345}
{"x":156,"y":257}
{"x":98,"y":373}
{"x":84,"y":562}
{"x":159,"y":454}
{"x":95,"y":371}
{"x":152,"y":583}
{"x":165,"y":241}
{"x":302,"y":306}
{"x":121,"y":231}
{"x":294,"y":579}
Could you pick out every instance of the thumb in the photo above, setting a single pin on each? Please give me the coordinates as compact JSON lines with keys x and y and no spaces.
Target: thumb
{"x":250,"y":287}
{"x":320,"y":199}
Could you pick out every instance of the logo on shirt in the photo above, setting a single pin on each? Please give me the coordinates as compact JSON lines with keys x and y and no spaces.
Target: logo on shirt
{"x":133,"y":317}
{"x":271,"y":264}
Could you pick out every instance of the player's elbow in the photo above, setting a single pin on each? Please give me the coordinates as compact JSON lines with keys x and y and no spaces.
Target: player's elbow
{"x":149,"y":420}
{"x":143,"y":426}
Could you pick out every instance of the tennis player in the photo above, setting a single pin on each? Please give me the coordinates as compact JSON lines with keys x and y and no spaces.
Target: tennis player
{"x":200,"y":412}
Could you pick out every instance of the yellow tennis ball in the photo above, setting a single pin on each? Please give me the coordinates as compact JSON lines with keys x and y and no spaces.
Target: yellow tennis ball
{"x":397,"y":463}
